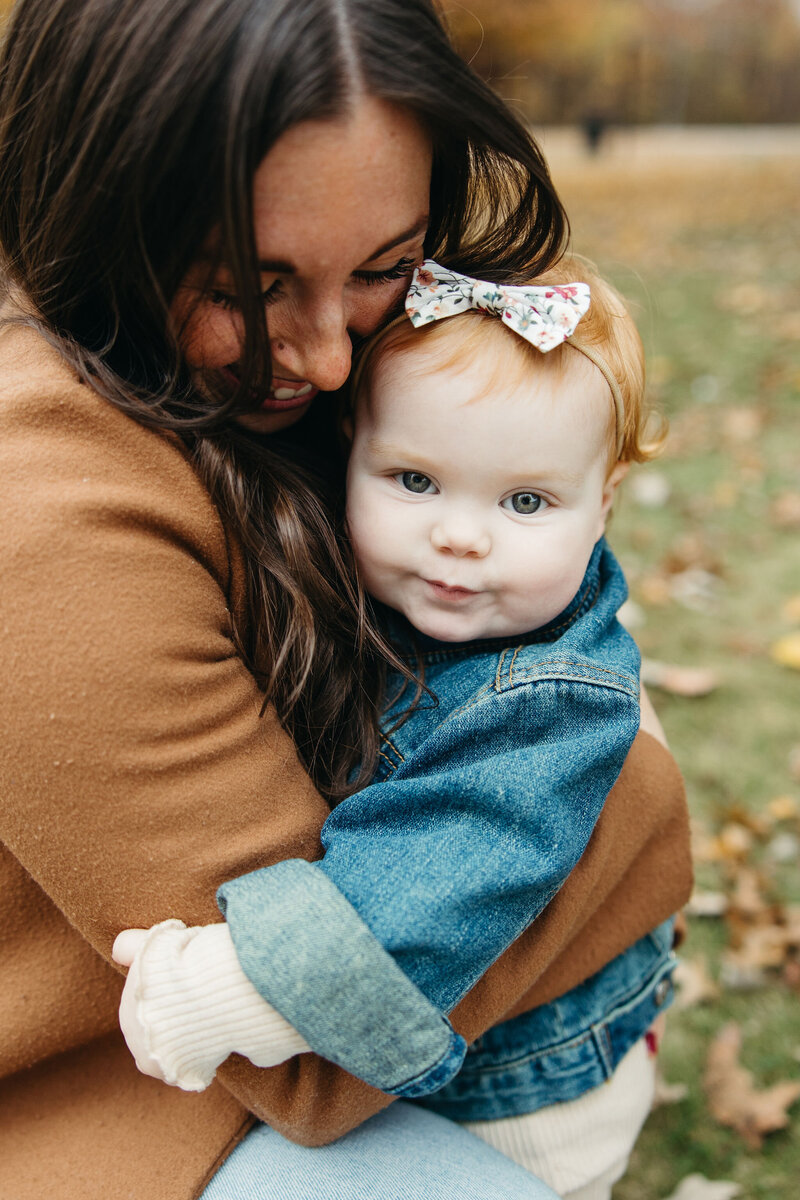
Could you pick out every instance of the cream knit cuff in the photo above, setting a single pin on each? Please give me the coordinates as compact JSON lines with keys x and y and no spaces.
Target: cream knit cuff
{"x":197,"y":1006}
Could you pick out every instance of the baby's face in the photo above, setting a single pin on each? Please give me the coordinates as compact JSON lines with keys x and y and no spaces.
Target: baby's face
{"x":473,"y":508}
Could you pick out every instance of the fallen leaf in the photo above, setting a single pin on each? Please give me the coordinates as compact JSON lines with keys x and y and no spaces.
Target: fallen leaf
{"x":734,"y":842}
{"x":785,"y":808}
{"x":741,"y":977}
{"x":679,"y":681}
{"x":785,"y":510}
{"x":692,"y":550}
{"x":724,"y":494}
{"x":694,"y":984}
{"x":650,"y":489}
{"x":705,"y":388}
{"x":788,"y":326}
{"x":732,"y":1098}
{"x":757,"y":823}
{"x":696,"y":589}
{"x":697,"y":1187}
{"x":786,"y":651}
{"x":631,"y":615}
{"x":791,"y":975}
{"x":668,"y":1093}
{"x":654,"y":590}
{"x":742,"y":424}
{"x":790,"y":610}
{"x":794,"y":763}
{"x":707,"y":904}
{"x":759,"y":948}
{"x":745,"y":299}
{"x":784,"y":847}
{"x":747,"y":900}
{"x":744,"y":643}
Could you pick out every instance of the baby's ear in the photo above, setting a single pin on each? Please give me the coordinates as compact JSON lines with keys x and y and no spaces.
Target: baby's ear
{"x":610,"y":487}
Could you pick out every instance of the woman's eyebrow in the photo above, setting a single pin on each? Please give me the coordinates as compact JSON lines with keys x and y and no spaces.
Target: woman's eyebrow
{"x":280,"y":266}
{"x":276,"y":266}
{"x":418,"y":227}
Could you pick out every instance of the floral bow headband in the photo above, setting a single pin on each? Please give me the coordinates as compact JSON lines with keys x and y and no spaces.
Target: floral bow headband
{"x":545,"y":315}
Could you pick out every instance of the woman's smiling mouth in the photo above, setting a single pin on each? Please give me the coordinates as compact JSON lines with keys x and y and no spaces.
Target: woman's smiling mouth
{"x":284,"y":395}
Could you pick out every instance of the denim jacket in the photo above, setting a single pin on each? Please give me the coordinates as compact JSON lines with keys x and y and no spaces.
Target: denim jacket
{"x":483,"y":803}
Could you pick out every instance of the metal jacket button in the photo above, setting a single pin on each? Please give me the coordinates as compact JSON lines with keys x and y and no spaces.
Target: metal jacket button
{"x":661,"y":990}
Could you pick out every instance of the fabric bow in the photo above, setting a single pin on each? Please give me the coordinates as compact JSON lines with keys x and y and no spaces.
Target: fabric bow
{"x":544,"y":315}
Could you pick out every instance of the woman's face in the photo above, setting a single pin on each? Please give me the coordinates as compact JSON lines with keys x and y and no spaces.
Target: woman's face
{"x":341,"y":210}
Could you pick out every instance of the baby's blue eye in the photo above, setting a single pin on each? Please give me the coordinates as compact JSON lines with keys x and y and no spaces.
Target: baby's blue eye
{"x":524,"y":503}
{"x":415,"y":481}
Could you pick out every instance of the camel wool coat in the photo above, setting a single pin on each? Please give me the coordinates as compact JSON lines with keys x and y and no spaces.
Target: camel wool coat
{"x":136,"y":775}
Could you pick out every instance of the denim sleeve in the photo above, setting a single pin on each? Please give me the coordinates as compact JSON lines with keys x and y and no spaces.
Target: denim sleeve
{"x":430,"y":875}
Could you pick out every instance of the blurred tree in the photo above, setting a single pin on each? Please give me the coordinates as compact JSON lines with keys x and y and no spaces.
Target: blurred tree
{"x":637,"y":60}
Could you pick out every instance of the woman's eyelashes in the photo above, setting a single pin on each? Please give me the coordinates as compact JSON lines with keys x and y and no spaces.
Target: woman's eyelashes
{"x":230,"y":302}
{"x":401,"y":268}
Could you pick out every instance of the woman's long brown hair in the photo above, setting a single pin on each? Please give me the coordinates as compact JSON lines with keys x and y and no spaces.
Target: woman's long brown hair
{"x":129,"y":131}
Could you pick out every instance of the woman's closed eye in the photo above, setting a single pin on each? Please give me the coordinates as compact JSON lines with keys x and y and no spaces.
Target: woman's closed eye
{"x":403,"y":267}
{"x":525,"y":504}
{"x":416,"y":482}
{"x":229,"y":301}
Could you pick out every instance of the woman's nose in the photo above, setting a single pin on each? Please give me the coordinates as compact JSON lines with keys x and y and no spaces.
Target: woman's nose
{"x":316,"y":350}
{"x":461,"y":537}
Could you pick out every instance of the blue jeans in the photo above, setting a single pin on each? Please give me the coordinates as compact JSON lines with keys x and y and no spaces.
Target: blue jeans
{"x":403,"y":1153}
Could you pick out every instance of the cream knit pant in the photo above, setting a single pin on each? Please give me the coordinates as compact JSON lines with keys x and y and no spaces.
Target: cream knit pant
{"x":581,"y":1148}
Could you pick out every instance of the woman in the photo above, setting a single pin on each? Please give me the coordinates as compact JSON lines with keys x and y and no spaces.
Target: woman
{"x":170,"y":174}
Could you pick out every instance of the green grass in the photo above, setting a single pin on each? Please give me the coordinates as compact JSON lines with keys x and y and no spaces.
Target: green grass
{"x":708,"y":255}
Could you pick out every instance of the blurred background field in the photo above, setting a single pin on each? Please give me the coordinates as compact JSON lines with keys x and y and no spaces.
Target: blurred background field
{"x":706,"y":248}
{"x":690,"y":203}
{"x":671,"y":129}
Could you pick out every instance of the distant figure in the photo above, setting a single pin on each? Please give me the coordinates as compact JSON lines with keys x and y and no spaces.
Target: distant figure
{"x":594,"y":126}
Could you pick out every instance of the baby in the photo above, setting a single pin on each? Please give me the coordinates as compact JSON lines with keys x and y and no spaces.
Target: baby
{"x":487,"y":443}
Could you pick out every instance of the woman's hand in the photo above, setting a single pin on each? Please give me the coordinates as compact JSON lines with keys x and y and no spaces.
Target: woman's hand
{"x":649,"y":722}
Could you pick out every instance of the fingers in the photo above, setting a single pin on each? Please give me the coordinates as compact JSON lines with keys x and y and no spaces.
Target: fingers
{"x":126,"y":946}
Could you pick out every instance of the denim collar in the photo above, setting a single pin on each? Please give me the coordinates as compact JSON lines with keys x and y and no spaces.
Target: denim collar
{"x":411,"y":645}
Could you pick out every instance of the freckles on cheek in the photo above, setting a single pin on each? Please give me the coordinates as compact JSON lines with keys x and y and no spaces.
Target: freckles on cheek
{"x":370,"y":310}
{"x":209,"y":339}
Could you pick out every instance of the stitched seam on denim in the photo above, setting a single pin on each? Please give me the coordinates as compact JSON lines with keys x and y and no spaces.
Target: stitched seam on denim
{"x":388,"y":742}
{"x":615,"y":685}
{"x":574,"y":1043}
{"x":386,"y":759}
{"x":579,"y":672}
{"x":634,"y":997}
{"x":511,"y":667}
{"x":441,"y":1061}
{"x":488,"y":691}
{"x":498,"y":673}
{"x":575,"y":664}
{"x":605,"y":1051}
{"x":640,"y":995}
{"x":483,"y":693}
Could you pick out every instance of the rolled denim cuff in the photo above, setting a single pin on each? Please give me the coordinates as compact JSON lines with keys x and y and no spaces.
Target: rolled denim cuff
{"x":307,"y":951}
